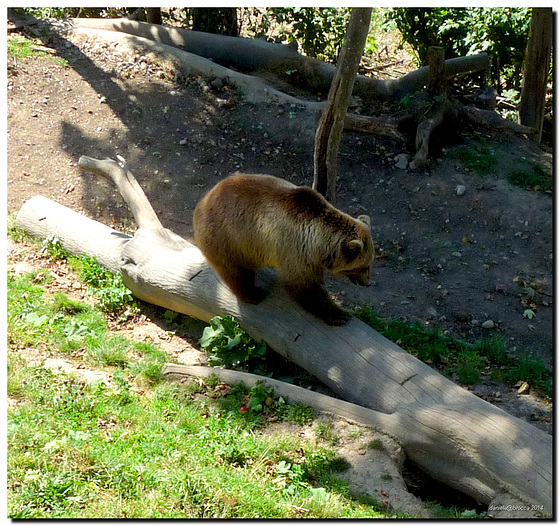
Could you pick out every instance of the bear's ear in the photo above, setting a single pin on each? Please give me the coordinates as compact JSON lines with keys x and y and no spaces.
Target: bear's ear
{"x":366,"y":220}
{"x":352,"y":249}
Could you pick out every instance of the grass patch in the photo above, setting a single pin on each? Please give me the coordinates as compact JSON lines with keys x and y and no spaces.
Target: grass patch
{"x":21,"y":48}
{"x":76,"y":449}
{"x":459,"y":358}
{"x":154,"y":448}
{"x":477,"y":157}
{"x":106,"y":286}
{"x":535,"y":178}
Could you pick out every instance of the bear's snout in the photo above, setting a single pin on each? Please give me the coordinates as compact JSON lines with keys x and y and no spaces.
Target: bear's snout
{"x":360,"y":279}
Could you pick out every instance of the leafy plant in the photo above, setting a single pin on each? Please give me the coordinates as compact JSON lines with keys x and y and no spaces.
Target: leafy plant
{"x":229,"y":345}
{"x":319,"y":30}
{"x":105,"y":285}
{"x":53,"y":247}
{"x":260,"y":397}
{"x":289,"y":476}
{"x":500,"y":31}
{"x":34,"y":319}
{"x":77,"y":330}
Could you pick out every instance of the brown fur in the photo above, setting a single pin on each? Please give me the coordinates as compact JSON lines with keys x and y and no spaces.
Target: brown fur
{"x":251,"y":221}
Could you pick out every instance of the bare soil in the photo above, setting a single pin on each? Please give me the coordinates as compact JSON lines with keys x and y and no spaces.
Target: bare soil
{"x":445,"y":260}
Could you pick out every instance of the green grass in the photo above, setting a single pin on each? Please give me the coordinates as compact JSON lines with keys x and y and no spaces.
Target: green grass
{"x":20,"y":48}
{"x":459,"y":358}
{"x":477,"y":157}
{"x":75,"y":450}
{"x":138,"y":446}
{"x":534,"y":178}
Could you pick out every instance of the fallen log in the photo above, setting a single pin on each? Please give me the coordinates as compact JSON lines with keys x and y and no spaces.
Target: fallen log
{"x":451,"y":434}
{"x":254,"y":55}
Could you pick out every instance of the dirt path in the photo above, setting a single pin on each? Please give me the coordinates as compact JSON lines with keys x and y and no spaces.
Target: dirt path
{"x":454,"y":262}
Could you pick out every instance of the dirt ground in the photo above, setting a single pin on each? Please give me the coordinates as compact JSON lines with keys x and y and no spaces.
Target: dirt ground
{"x":446,"y":260}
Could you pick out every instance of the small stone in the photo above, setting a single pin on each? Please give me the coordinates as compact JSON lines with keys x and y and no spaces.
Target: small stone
{"x":463,"y":315}
{"x":401,"y":161}
{"x":501,"y":288}
{"x":457,"y":254}
{"x":524,"y":388}
{"x":217,"y":83}
{"x":432,"y":312}
{"x":461,"y":189}
{"x":488,"y":324}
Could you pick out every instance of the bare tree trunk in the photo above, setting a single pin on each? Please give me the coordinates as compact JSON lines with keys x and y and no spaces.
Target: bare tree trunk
{"x":458,"y":438}
{"x":331,"y":124}
{"x":153,"y":15}
{"x":436,"y":71}
{"x":218,"y":20}
{"x":435,"y":116}
{"x":537,"y":66}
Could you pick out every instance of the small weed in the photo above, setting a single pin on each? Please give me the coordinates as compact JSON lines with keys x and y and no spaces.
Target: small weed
{"x":298,"y":413}
{"x":106,"y":286}
{"x":151,"y":363}
{"x":468,"y":368}
{"x":376,"y":444}
{"x":325,"y":431}
{"x":53,"y":247}
{"x":16,"y":233}
{"x":170,"y":315}
{"x":112,"y":351}
{"x":68,"y":306}
{"x":532,"y":370}
{"x":260,"y":396}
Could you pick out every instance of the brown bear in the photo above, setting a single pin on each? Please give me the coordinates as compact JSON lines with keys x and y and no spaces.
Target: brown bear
{"x":251,"y":221}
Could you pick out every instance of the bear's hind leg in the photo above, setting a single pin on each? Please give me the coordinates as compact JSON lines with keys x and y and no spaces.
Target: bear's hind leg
{"x":315,"y":299}
{"x":241,"y":282}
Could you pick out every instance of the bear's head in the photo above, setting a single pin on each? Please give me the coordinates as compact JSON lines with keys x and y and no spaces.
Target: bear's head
{"x":356,"y":253}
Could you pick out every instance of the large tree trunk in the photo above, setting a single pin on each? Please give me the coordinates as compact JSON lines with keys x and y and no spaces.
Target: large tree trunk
{"x":456,"y":437}
{"x":331,"y":124}
{"x":537,"y":66}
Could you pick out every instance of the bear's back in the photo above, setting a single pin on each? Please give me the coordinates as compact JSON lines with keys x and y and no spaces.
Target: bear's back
{"x":257,"y":218}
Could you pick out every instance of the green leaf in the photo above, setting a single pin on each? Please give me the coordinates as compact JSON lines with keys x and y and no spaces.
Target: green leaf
{"x":36,"y":320}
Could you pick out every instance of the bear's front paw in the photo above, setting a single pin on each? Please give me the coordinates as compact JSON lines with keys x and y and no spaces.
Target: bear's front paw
{"x":338,"y":317}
